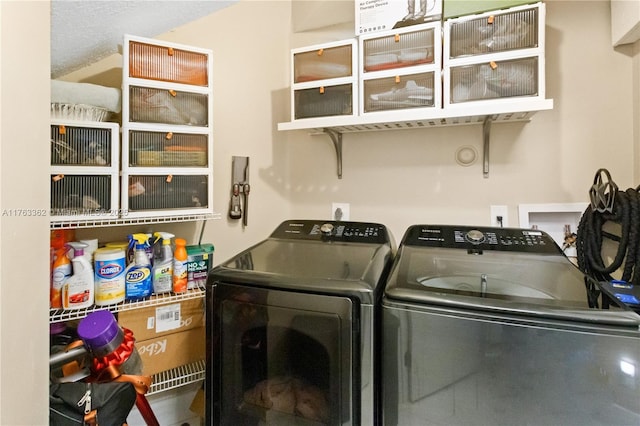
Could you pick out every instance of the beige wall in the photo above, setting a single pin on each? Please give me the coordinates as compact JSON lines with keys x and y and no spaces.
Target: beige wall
{"x":24,"y":165}
{"x":397,"y":178}
{"x":408,"y":176}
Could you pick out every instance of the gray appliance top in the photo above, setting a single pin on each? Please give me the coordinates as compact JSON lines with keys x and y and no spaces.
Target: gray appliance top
{"x":346,"y":258}
{"x":497,"y":269}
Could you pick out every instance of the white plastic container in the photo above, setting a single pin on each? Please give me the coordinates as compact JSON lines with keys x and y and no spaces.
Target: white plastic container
{"x":78,"y":289}
{"x":109,"y":275}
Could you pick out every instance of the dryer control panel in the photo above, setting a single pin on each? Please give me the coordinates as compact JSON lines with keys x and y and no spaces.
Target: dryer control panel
{"x":477,"y":239}
{"x":352,"y":232}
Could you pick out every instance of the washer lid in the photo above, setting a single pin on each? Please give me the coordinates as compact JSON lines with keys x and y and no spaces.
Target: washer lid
{"x":343,"y":258}
{"x":433,"y":268}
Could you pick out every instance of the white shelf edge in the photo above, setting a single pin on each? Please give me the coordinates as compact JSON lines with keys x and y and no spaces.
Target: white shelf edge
{"x":505,"y":110}
{"x":121,"y":221}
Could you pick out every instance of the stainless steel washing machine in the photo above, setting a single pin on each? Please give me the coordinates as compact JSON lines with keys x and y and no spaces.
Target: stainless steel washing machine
{"x":290,"y":326}
{"x":493,"y":326}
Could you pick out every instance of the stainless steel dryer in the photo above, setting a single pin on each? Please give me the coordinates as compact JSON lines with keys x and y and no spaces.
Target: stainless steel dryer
{"x":492,"y":326}
{"x":290,"y":326}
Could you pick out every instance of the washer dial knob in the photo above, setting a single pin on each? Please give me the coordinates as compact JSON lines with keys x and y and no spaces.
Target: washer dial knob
{"x":326,"y":228}
{"x":475,"y":237}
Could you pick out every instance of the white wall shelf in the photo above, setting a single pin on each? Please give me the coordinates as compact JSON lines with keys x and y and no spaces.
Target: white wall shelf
{"x":481,"y":112}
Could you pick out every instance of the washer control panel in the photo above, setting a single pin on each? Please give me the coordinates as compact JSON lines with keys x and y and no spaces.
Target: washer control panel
{"x":477,"y":239}
{"x":354,"y":232}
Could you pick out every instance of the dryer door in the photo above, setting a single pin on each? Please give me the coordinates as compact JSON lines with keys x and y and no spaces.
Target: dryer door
{"x":284,"y":358}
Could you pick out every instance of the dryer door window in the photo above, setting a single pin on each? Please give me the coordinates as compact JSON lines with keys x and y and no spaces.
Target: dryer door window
{"x":285,"y":357}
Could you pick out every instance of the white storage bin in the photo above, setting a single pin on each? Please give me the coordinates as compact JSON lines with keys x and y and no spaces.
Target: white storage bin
{"x":167,"y":138}
{"x":401,"y":48}
{"x":492,"y":80}
{"x":516,"y":28}
{"x":495,"y":56}
{"x":166,"y":193}
{"x":420,"y":90}
{"x":170,"y":62}
{"x":324,"y":80}
{"x":153,"y":148}
{"x":89,"y":194}
{"x":85,"y":160}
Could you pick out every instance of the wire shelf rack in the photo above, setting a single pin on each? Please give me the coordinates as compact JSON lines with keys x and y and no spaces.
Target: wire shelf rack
{"x":58,"y":315}
{"x":177,"y":377}
{"x":121,"y":221}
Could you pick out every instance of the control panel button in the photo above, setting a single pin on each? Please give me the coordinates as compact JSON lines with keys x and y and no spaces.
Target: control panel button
{"x":326,"y":228}
{"x":474,"y":236}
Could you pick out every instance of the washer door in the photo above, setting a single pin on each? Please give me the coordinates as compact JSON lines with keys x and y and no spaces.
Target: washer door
{"x":283,"y":357}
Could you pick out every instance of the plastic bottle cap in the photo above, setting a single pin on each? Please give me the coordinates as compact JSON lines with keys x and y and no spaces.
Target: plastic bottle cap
{"x":98,"y":329}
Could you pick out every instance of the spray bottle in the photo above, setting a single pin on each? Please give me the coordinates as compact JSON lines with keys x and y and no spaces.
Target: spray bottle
{"x":78,"y":289}
{"x":60,"y":271}
{"x":163,"y":263}
{"x":138,"y":278}
{"x":180,"y":283}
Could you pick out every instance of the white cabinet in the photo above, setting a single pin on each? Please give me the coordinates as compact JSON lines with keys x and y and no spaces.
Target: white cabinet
{"x":400,"y":69}
{"x":324,"y":80}
{"x":625,"y":21}
{"x":84,"y":170}
{"x":494,"y":57}
{"x":167,"y":129}
{"x":495,"y":76}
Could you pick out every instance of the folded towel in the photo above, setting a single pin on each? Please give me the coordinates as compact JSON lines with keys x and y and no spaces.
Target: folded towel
{"x":65,"y":92}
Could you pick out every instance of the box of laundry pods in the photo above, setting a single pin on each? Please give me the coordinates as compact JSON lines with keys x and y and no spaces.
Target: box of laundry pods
{"x":382,"y":15}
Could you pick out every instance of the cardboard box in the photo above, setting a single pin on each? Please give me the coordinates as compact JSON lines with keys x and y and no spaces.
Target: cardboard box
{"x":172,"y":350}
{"x":456,"y":8}
{"x":160,"y":320}
{"x":382,"y":15}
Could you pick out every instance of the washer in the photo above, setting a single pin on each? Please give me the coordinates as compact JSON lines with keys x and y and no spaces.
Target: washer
{"x":493,"y":326}
{"x":290,"y":326}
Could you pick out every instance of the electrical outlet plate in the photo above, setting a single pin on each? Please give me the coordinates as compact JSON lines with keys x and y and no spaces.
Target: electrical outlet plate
{"x":344,"y":210}
{"x":500,"y":210}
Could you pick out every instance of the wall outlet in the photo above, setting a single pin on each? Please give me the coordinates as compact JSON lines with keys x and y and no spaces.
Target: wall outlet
{"x":500,"y":216}
{"x":340,"y":211}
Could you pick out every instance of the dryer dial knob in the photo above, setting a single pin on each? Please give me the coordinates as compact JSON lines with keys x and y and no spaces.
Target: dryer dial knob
{"x":475,"y":237}
{"x":326,"y":228}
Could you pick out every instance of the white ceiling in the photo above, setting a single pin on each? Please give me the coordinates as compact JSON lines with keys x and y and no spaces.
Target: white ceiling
{"x":86,"y":31}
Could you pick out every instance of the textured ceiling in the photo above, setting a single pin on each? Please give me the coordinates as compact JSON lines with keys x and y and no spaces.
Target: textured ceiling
{"x":84,"y":32}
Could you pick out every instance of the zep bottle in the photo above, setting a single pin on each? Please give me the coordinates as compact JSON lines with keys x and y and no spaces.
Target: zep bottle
{"x":109,"y":275}
{"x":138,"y":279}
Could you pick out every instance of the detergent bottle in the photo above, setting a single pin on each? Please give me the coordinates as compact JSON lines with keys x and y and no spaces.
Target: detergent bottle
{"x":60,"y":271}
{"x":180,"y":282}
{"x":138,"y":279}
{"x":163,"y":263}
{"x":78,"y":289}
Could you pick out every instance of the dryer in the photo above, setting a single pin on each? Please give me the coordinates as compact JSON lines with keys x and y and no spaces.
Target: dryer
{"x":291,"y":326}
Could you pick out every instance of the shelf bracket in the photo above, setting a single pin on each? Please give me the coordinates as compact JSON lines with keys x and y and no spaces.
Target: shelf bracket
{"x":486,"y":136}
{"x":336,"y":138}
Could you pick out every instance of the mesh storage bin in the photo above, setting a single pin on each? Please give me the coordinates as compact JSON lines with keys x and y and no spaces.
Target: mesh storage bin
{"x":491,"y":32}
{"x":400,"y":49}
{"x":323,"y":101}
{"x":166,"y":63}
{"x":499,"y":79}
{"x":84,"y":145}
{"x":146,"y":193}
{"x":407,"y":91}
{"x":83,"y":196}
{"x":167,"y":149}
{"x":323,"y":63}
{"x":151,"y":105}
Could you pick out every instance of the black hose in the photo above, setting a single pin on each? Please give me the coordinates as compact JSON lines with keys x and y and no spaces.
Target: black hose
{"x":590,"y":236}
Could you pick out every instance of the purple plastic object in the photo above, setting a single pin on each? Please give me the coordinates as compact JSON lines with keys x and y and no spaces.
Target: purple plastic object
{"x":100,"y":331}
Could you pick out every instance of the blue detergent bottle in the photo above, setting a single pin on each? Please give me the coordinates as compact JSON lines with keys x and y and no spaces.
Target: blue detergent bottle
{"x":138,"y":277}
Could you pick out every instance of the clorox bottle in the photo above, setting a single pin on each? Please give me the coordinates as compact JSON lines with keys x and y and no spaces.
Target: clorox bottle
{"x":138,"y":278}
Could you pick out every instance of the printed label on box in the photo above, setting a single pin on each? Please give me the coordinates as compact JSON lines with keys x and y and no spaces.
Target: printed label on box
{"x":167,"y":317}
{"x":382,"y":15}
